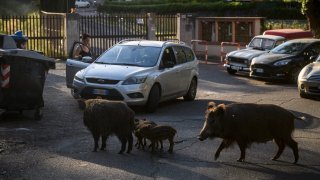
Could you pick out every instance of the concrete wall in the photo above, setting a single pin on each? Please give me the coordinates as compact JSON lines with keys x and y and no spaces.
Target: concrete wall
{"x":189,"y":29}
{"x":72,"y":30}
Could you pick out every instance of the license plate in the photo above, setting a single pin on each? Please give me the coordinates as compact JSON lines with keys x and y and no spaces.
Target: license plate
{"x":100,"y":91}
{"x":258,"y":70}
{"x":235,"y":67}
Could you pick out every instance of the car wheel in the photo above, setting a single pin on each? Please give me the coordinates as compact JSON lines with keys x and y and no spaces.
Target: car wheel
{"x":192,"y":91}
{"x":153,"y":100}
{"x":88,"y":5}
{"x":293,"y":77}
{"x":303,"y":94}
{"x":231,"y":71}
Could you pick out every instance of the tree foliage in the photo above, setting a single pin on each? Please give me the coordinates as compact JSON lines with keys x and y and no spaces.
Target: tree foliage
{"x":311,"y":9}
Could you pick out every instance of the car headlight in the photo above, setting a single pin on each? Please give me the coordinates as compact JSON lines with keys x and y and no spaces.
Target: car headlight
{"x":135,"y":80}
{"x":79,"y":76}
{"x":282,"y":62}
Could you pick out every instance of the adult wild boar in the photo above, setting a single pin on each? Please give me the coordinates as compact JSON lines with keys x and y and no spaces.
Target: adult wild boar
{"x":103,"y":118}
{"x":245,"y":123}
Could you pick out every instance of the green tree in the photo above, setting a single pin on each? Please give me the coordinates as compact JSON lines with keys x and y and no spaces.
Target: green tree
{"x":311,"y":9}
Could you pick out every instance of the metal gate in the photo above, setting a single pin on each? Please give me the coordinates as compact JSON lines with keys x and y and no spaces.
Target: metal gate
{"x":45,"y":33}
{"x":108,"y":29}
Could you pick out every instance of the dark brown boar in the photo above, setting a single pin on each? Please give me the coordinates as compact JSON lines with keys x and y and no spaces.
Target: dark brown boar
{"x":138,"y":123}
{"x":103,"y":118}
{"x":157,"y":134}
{"x":246,"y":123}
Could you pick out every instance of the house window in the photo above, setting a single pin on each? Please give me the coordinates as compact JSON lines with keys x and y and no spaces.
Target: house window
{"x":243,"y":31}
{"x":225,"y":31}
{"x":207,"y":31}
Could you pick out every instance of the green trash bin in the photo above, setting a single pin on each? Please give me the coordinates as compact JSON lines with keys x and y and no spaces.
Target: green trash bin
{"x":23,"y":74}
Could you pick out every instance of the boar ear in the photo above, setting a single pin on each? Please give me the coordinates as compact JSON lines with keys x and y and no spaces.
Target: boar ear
{"x":220,"y":109}
{"x":211,"y":105}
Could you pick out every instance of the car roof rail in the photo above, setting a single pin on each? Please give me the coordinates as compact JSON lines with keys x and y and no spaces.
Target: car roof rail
{"x":177,"y":41}
{"x":130,"y":39}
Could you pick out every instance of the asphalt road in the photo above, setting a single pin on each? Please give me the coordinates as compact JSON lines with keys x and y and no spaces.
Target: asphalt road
{"x":59,"y":146}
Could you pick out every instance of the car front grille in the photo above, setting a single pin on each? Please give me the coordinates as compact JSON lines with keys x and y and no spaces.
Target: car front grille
{"x":113,"y":94}
{"x":314,"y":78}
{"x":267,"y":70}
{"x":238,"y":60}
{"x":314,"y":90}
{"x":101,"y":81}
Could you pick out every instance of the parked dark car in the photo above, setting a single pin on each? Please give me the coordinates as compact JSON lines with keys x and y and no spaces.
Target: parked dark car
{"x":286,"y":60}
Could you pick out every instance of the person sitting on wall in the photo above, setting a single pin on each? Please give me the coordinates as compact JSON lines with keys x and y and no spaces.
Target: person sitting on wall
{"x":20,"y":39}
{"x":83,"y":48}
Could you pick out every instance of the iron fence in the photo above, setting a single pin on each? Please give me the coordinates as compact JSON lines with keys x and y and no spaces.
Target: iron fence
{"x":45,"y":33}
{"x":108,"y":29}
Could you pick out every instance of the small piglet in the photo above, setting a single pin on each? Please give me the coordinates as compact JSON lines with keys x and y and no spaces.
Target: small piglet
{"x":157,"y":134}
{"x":138,"y":123}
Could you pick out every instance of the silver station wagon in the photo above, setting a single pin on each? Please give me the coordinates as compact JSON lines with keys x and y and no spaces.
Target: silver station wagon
{"x":139,"y":72}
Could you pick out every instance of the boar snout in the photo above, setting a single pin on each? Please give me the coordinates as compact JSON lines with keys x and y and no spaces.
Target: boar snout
{"x":200,"y":138}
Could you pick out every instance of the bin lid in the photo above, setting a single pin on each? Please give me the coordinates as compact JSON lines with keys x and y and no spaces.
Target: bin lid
{"x":7,"y":42}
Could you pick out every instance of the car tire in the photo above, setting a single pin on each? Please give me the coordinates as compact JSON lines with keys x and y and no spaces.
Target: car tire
{"x":303,"y":94}
{"x":231,"y":71}
{"x":154,"y":98}
{"x":192,"y":91}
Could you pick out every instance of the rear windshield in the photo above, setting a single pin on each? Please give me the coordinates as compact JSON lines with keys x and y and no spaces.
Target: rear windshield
{"x":144,"y":56}
{"x":262,"y":44}
{"x":293,"y":48}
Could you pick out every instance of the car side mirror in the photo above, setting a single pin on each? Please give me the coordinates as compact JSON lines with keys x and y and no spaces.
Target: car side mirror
{"x":87,"y":59}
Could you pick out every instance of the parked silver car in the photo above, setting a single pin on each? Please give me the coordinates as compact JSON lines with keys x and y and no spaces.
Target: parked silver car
{"x":309,"y":79}
{"x":139,"y":72}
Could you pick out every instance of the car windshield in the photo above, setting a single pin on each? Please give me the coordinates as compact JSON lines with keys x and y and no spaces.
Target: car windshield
{"x":293,"y":48}
{"x":144,"y":56}
{"x":262,"y":43}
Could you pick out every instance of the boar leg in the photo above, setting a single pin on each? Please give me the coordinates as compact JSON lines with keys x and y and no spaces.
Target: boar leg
{"x":104,"y":140}
{"x":123,"y":144}
{"x":161,"y":144}
{"x":294,"y":146}
{"x":281,"y":147}
{"x":96,"y":137}
{"x":171,"y":144}
{"x":224,"y":144}
{"x":130,"y":142}
{"x":242,"y":145}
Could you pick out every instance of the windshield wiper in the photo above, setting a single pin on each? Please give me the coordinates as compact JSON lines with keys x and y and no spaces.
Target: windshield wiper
{"x":101,"y":62}
{"x":126,"y":64}
{"x":258,"y":48}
